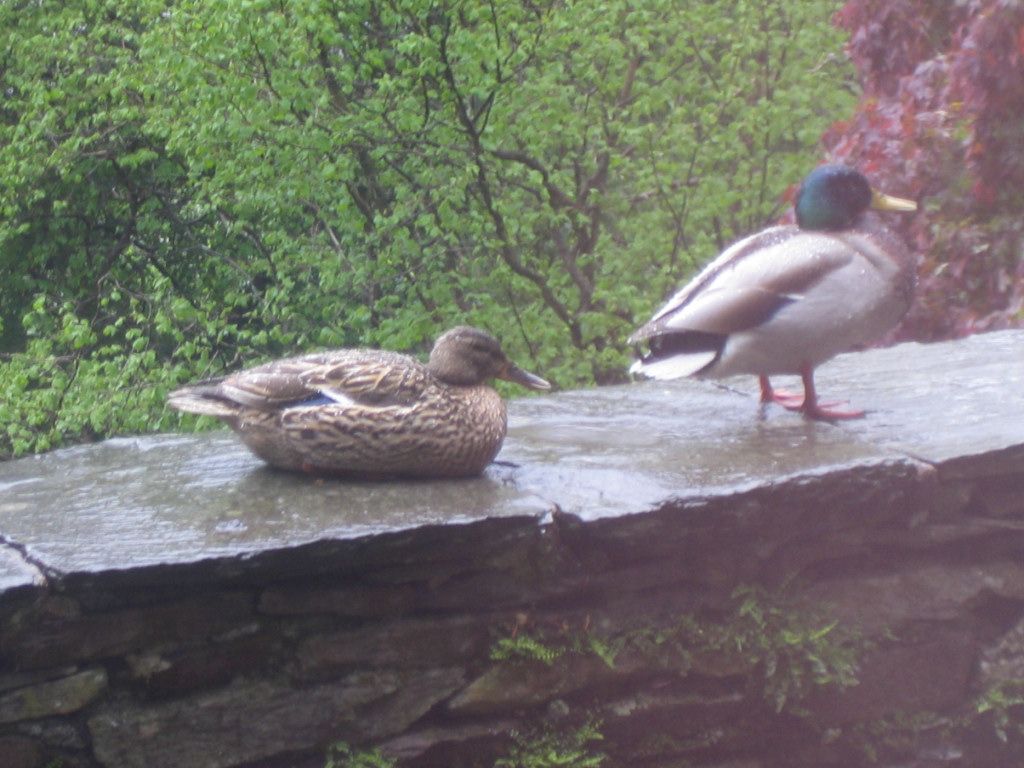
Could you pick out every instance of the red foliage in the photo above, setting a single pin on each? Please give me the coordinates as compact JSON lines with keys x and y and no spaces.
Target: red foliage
{"x":941,"y":119}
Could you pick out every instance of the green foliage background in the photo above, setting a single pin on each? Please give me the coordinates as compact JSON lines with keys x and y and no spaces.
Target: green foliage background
{"x":187,"y":186}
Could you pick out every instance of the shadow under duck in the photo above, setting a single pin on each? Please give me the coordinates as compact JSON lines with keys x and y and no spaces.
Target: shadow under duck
{"x":788,"y":298}
{"x":370,"y":413}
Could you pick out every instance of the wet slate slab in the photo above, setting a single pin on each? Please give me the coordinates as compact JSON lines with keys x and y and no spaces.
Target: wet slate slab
{"x":135,"y":502}
{"x":152,"y":501}
{"x":947,"y":403}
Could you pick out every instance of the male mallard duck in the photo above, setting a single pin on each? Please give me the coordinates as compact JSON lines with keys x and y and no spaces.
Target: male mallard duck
{"x":368,"y":412}
{"x":788,"y":298}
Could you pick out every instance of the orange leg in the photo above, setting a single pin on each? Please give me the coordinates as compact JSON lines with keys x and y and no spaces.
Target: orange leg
{"x":812,"y":409}
{"x":789,"y":400}
{"x":808,"y":405}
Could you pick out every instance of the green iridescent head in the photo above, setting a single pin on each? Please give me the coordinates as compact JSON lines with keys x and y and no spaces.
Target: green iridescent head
{"x":833,"y":197}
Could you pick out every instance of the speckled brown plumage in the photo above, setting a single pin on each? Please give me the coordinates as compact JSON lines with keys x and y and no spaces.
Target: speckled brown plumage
{"x":370,"y":413}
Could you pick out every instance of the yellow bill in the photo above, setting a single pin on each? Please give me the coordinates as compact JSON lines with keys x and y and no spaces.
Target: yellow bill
{"x":883,"y":202}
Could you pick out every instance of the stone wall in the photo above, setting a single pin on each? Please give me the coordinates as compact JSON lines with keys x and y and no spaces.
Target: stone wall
{"x":847,"y":612}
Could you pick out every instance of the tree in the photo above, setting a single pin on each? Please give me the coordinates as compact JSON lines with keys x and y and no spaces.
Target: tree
{"x":232,"y":180}
{"x":550,"y":170}
{"x":940,"y":118}
{"x":103,"y":254}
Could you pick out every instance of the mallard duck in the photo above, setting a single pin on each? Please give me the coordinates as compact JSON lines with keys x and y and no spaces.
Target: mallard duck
{"x":788,"y":298}
{"x":370,"y":413}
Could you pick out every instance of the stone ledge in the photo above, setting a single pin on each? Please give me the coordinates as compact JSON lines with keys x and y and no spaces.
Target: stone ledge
{"x":169,"y":592}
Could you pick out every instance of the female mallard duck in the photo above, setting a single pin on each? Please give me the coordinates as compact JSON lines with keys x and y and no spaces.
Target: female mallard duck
{"x":370,"y":413}
{"x":786,"y":299}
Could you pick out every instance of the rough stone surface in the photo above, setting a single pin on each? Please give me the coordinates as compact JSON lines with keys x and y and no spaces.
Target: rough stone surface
{"x":506,"y":688}
{"x":415,"y":743}
{"x":356,"y":600}
{"x":417,"y":693}
{"x":1003,"y":661}
{"x":407,"y":643}
{"x":932,"y":675}
{"x":19,"y":752}
{"x":219,"y":729}
{"x":56,"y":697}
{"x":55,"y":641}
{"x":206,"y":665}
{"x":168,"y":601}
{"x":920,"y":592}
{"x":58,"y":736}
